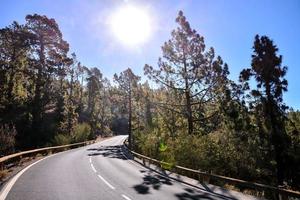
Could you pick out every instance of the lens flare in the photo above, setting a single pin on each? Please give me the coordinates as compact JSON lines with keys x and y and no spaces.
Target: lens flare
{"x":131,"y":25}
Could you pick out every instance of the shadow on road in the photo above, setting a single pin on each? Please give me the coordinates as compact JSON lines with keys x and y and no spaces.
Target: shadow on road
{"x":193,"y":194}
{"x":155,"y":179}
{"x":108,"y":152}
{"x":151,"y":180}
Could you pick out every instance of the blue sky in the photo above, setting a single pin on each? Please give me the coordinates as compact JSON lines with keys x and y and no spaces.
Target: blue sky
{"x":227,"y":25}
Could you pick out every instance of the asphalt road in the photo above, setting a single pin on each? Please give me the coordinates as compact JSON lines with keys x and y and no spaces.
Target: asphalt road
{"x":102,"y":171}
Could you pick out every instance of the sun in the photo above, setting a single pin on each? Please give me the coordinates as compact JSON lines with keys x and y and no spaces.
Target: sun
{"x":131,"y":25}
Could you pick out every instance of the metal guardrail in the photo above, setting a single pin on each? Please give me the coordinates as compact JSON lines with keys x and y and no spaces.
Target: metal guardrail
{"x":18,"y":156}
{"x":284,"y":193}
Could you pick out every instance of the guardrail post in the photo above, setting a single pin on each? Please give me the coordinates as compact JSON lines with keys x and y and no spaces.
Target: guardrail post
{"x":206,"y":179}
{"x":199,"y":176}
{"x":20,"y":160}
{"x":280,"y":195}
{"x":1,"y":166}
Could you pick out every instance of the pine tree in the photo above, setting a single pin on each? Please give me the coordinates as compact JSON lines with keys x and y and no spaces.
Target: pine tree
{"x":49,"y":52}
{"x":14,"y":49}
{"x":127,"y":82}
{"x":94,"y":90}
{"x":269,"y":74}
{"x":194,"y":73}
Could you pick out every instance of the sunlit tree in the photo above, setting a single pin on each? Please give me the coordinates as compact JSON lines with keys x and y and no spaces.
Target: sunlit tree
{"x":49,"y":51}
{"x":190,"y":70}
{"x":127,"y":82}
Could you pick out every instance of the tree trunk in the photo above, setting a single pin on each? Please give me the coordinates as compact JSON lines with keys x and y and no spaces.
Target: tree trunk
{"x":278,"y":142}
{"x":189,"y":113}
{"x":129,"y":119}
{"x":11,"y":79}
{"x":37,"y":104}
{"x":276,"y":135}
{"x":70,"y":102}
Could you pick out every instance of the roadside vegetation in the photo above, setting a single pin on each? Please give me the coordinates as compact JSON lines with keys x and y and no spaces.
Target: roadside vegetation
{"x":193,"y":115}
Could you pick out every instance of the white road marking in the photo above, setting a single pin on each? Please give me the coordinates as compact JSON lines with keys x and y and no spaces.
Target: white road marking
{"x":125,"y":197}
{"x":93,"y":168}
{"x":107,"y":183}
{"x":90,"y":160}
{"x":11,"y":183}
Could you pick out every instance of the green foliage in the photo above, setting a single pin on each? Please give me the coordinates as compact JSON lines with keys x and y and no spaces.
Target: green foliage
{"x":7,"y":139}
{"x":293,"y":155}
{"x":82,"y":132}
{"x":162,"y":146}
{"x":62,"y":139}
{"x":193,"y":75}
{"x":128,"y":86}
{"x":98,"y":102}
{"x":268,"y":104}
{"x":42,"y":89}
{"x":149,"y":148}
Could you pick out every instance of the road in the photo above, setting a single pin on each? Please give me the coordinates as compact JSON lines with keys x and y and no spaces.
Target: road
{"x":101,"y":171}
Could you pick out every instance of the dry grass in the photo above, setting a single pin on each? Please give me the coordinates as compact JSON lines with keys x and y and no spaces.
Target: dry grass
{"x":4,"y":173}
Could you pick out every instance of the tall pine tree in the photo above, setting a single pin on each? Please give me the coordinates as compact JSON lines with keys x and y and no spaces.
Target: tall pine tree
{"x":269,"y":75}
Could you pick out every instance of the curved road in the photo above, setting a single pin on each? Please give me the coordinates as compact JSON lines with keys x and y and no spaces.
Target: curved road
{"x":102,"y":171}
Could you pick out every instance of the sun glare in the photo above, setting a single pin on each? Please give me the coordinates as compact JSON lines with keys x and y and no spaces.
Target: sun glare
{"x":131,"y":25}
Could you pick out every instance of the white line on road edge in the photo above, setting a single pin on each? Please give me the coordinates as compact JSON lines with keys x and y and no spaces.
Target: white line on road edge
{"x":93,"y":168}
{"x":125,"y":197}
{"x":11,"y":183}
{"x":107,"y":183}
{"x":90,"y":160}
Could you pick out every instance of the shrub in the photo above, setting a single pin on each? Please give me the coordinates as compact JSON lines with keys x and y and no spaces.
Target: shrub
{"x":7,"y":139}
{"x":62,"y":139}
{"x":147,"y":143}
{"x":82,"y":132}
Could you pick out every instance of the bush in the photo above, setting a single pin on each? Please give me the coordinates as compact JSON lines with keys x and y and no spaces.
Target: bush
{"x":82,"y":132}
{"x":62,"y":139}
{"x":147,"y":143}
{"x":192,"y":151}
{"x":7,"y":139}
